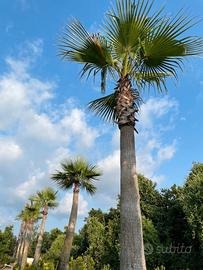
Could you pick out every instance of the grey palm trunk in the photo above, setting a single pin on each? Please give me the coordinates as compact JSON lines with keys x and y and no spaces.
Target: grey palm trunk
{"x":40,"y":237}
{"x":19,"y":242}
{"x":26,"y":244}
{"x":131,"y":237}
{"x":65,"y":254}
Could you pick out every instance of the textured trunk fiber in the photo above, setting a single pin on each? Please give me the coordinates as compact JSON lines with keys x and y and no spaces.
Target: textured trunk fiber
{"x":131,"y":237}
{"x":26,"y":245}
{"x":40,"y":237}
{"x":19,"y":242}
{"x":65,"y":254}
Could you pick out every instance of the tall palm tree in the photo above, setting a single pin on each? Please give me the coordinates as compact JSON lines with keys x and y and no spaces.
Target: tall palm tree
{"x":137,"y":47}
{"x":77,"y":174}
{"x":45,"y":199}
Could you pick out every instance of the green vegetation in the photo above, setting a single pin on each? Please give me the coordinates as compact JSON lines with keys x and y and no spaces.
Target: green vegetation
{"x":172,"y":232}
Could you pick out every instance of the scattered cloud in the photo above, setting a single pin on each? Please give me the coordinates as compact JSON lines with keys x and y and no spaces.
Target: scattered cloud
{"x":65,"y":205}
{"x":35,"y":134}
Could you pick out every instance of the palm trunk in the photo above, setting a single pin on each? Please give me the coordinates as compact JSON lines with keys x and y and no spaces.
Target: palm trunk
{"x":26,"y":244}
{"x":22,"y":244}
{"x":65,"y":254}
{"x":40,"y":237}
{"x":19,"y":241}
{"x":132,"y":248}
{"x":131,"y":237}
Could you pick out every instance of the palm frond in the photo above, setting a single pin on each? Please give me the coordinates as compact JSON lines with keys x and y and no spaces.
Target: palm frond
{"x":149,"y":79}
{"x":62,"y":179}
{"x":77,"y":171}
{"x":89,"y":187}
{"x":105,"y":107}
{"x":93,"y":51}
{"x":164,"y":48}
{"x":128,"y":23}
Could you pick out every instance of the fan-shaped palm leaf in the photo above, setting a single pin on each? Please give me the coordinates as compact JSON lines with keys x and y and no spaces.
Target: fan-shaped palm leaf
{"x":91,"y":50}
{"x":105,"y":107}
{"x":77,"y":171}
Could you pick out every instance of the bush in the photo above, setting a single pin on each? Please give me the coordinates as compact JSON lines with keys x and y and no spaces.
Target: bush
{"x":82,"y":263}
{"x":160,"y":268}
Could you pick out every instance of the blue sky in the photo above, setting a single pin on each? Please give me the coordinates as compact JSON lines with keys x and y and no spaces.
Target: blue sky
{"x":43,"y":117}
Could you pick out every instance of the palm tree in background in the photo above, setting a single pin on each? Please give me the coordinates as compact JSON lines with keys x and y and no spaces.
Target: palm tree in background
{"x":77,"y":174}
{"x":45,"y":199}
{"x":29,"y":216}
{"x":138,"y":47}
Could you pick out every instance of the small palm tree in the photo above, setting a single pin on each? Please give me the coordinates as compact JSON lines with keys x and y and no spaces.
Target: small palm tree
{"x":77,"y":174}
{"x":29,"y":216}
{"x":45,"y":199}
{"x":137,"y":48}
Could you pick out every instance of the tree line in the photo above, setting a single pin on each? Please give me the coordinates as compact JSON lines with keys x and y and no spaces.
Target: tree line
{"x":172,"y":228}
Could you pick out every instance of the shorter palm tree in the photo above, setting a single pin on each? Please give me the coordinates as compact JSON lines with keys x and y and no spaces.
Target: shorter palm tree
{"x":29,"y":216}
{"x":45,"y":199}
{"x":77,"y":174}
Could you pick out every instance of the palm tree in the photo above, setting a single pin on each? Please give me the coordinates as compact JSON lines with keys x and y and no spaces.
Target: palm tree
{"x":29,"y":216}
{"x":137,"y":48}
{"x":77,"y":174}
{"x":20,"y":236}
{"x":45,"y":199}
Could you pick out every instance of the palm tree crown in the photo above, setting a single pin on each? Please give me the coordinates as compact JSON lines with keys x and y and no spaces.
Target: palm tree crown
{"x":147,"y":46}
{"x":30,"y":212}
{"x":78,"y":173}
{"x":45,"y":198}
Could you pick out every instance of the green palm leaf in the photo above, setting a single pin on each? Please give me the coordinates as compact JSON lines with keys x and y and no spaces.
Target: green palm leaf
{"x":105,"y":107}
{"x":162,"y":51}
{"x":77,"y":171}
{"x":91,"y":50}
{"x":129,"y":23}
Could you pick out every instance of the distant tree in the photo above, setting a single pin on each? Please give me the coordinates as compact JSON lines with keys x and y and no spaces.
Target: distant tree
{"x":77,"y":174}
{"x":7,"y":245}
{"x":192,"y":202}
{"x":96,"y":238}
{"x":45,"y":199}
{"x":82,"y":263}
{"x":29,"y":216}
{"x":54,"y":252}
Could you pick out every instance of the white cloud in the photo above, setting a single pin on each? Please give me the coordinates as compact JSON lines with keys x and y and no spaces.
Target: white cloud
{"x":35,"y":134}
{"x":65,"y":205}
{"x":9,"y":151}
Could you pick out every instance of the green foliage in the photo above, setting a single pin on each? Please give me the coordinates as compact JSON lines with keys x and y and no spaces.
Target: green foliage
{"x":43,"y":266}
{"x":160,"y":268}
{"x":77,"y":172}
{"x":82,"y":263}
{"x":96,"y":237}
{"x":192,"y":203}
{"x":55,"y":249}
{"x":171,"y":217}
{"x":106,"y":267}
{"x":45,"y":198}
{"x":7,"y":245}
{"x":136,"y":41}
